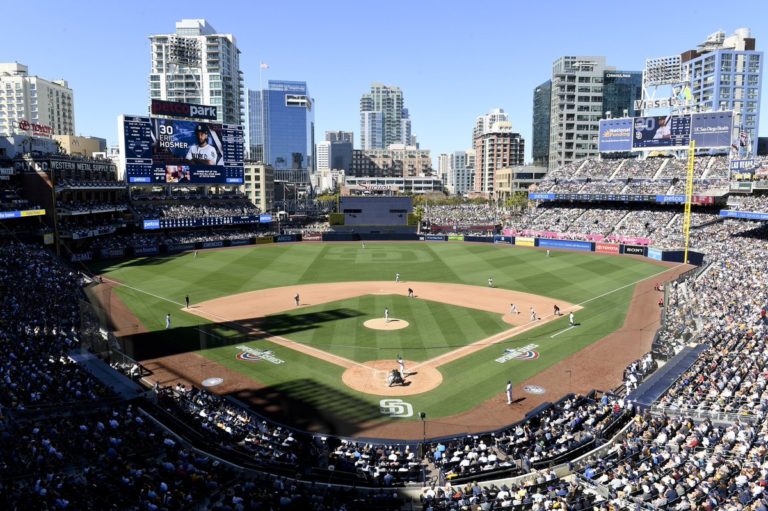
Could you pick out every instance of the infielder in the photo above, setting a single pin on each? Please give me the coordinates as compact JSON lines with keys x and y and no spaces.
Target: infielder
{"x":296,"y":299}
{"x":513,"y":309}
{"x":533,"y":313}
{"x":570,"y":319}
{"x":397,"y":277}
{"x":490,"y":282}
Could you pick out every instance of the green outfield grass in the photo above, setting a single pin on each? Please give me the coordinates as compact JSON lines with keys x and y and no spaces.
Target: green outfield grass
{"x":156,"y":286}
{"x":434,"y":328}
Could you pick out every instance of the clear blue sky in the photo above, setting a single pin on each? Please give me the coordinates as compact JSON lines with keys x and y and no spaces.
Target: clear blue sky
{"x":453,"y":60}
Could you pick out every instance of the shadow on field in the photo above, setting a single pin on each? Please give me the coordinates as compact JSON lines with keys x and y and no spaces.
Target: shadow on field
{"x":310,"y":406}
{"x":162,"y":343}
{"x":283,"y":324}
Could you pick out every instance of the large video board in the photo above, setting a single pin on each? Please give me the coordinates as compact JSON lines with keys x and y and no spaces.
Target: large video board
{"x":712,"y":129}
{"x":661,"y":132}
{"x":170,"y":151}
{"x":615,"y":135}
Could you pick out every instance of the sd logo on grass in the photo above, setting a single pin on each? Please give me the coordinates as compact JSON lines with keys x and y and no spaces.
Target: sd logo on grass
{"x":396,"y":408}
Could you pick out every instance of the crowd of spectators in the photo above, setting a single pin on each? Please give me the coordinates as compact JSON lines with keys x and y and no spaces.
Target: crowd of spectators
{"x":461,"y":215}
{"x":195,"y":210}
{"x":753,"y":203}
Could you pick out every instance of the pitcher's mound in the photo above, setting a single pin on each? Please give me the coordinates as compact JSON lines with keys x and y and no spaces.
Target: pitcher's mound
{"x":380,"y":324}
{"x":371,"y":378}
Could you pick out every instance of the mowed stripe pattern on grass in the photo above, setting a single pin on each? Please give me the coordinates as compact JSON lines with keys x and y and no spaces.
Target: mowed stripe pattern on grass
{"x":337,"y":327}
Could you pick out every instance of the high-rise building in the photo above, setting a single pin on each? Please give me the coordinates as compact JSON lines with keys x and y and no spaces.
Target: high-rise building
{"x":323,"y":153}
{"x":725,"y":73}
{"x":396,"y":161}
{"x":496,"y":147}
{"x":32,"y":105}
{"x":620,"y":91}
{"x":443,"y":166}
{"x":578,"y":102}
{"x":340,"y":136}
{"x":542,"y":96}
{"x":461,"y":175}
{"x":340,"y":151}
{"x":281,"y":126}
{"x":485,"y":123}
{"x":383,"y":118}
{"x":198,"y":65}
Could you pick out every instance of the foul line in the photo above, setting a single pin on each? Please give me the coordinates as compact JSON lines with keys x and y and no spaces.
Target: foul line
{"x":280,"y":341}
{"x":561,"y":331}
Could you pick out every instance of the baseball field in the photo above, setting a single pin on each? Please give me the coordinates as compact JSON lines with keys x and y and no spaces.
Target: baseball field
{"x":322,"y":364}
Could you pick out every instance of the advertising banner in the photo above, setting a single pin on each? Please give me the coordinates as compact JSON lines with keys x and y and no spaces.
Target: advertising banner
{"x":146,"y":250}
{"x":168,"y":151}
{"x":607,"y":248}
{"x":712,"y":129}
{"x":312,"y":236}
{"x":541,"y":196}
{"x":455,"y":237}
{"x":235,"y":243}
{"x":523,"y":241}
{"x":180,"y":247}
{"x":21,"y":214}
{"x":213,"y":244}
{"x":151,"y":224}
{"x":478,"y":239}
{"x":615,"y":135}
{"x":285,"y":238}
{"x":502,"y":239}
{"x":655,"y":253}
{"x":566,"y":244}
{"x":265,"y":218}
{"x":112,"y":252}
{"x":661,"y":132}
{"x":435,"y":237}
{"x":85,"y":256}
{"x":635,"y":250}
{"x":188,"y":110}
{"x":746,"y":215}
{"x":263,"y":240}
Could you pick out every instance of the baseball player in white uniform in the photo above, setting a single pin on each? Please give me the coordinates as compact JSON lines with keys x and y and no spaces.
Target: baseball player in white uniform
{"x":202,"y":152}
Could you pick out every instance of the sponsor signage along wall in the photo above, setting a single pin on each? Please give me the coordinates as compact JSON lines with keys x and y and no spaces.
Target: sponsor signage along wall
{"x":607,"y":248}
{"x":746,"y":215}
{"x":188,"y":110}
{"x":265,"y":218}
{"x":435,"y":237}
{"x":615,"y":135}
{"x":502,"y":239}
{"x":235,"y":243}
{"x":21,"y":214}
{"x":455,"y":237}
{"x":285,"y":238}
{"x":635,"y":249}
{"x":712,"y":129}
{"x":151,"y":224}
{"x":146,"y":250}
{"x":566,"y":244}
{"x":170,"y":151}
{"x":213,"y":244}
{"x":312,"y":236}
{"x":654,"y":253}
{"x":522,"y":241}
{"x":180,"y":247}
{"x":661,"y":131}
{"x":263,"y":240}
{"x":541,"y":196}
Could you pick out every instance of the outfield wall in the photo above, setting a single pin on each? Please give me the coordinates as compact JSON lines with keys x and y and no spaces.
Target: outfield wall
{"x":600,"y":247}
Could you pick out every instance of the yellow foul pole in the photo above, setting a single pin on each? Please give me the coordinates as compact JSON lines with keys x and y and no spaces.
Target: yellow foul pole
{"x":688,"y":197}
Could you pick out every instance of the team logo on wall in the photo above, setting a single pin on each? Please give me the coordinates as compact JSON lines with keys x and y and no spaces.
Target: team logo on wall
{"x":533,"y":389}
{"x":523,"y":353}
{"x":249,"y":354}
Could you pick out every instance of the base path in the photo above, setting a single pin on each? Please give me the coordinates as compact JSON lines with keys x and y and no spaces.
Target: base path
{"x":366,"y":377}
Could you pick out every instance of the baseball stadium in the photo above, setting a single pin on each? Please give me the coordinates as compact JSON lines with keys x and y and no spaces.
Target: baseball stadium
{"x":588,"y":337}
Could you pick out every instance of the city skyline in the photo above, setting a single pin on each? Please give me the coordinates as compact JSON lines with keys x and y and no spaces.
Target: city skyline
{"x":449,"y":64}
